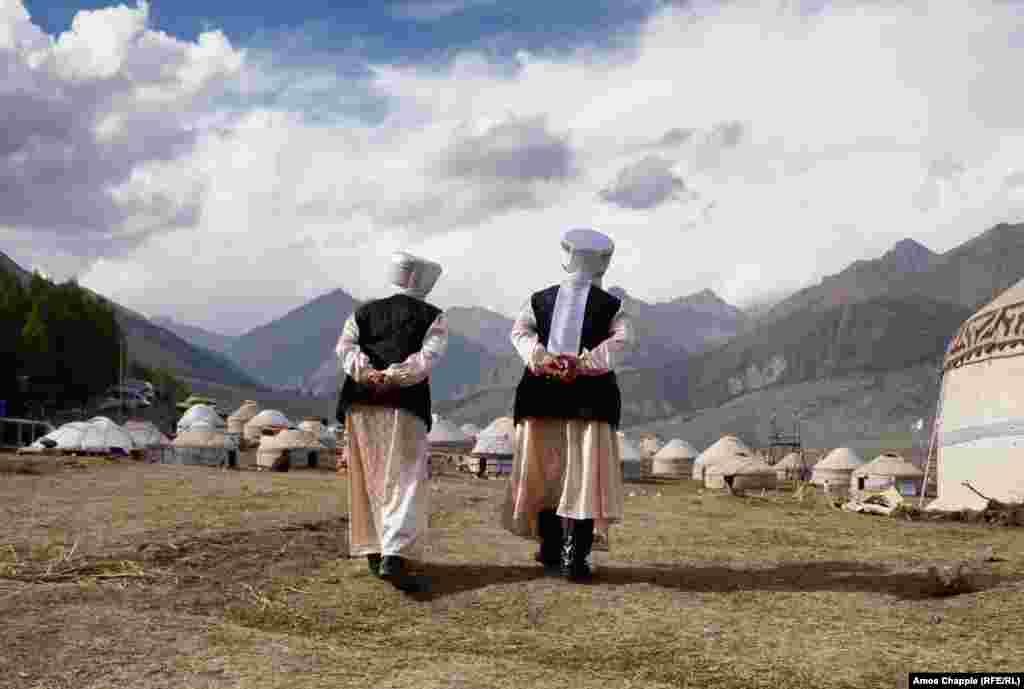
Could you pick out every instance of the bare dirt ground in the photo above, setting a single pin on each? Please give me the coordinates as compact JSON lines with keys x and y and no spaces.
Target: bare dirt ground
{"x":123,"y":574}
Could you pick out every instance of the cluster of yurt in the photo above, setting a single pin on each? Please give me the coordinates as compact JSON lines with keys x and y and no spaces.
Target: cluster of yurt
{"x":674,"y":460}
{"x":835,"y":472}
{"x":631,"y":456}
{"x":981,"y":409}
{"x":492,"y":453}
{"x":790,"y":468}
{"x":888,"y":470}
{"x":287,"y":449}
{"x":268,"y":419}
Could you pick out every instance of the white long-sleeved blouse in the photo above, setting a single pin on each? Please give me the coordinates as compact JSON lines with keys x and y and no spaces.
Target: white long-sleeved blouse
{"x":604,"y":358}
{"x":414,"y":369}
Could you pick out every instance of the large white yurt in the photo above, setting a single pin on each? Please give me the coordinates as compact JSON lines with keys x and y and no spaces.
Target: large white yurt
{"x":888,"y":470}
{"x":68,"y":437}
{"x":300,"y":448}
{"x":494,"y":447}
{"x":674,"y":460}
{"x":242,"y":415}
{"x":268,"y":418}
{"x":445,"y":436}
{"x":726,"y":447}
{"x":103,"y":435}
{"x":790,"y":467}
{"x":631,"y":457}
{"x":981,"y":412}
{"x":199,"y":413}
{"x":204,"y":445}
{"x":833,"y":473}
{"x":742,"y":472}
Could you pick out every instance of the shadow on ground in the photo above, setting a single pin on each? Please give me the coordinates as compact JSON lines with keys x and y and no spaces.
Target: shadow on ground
{"x":836,"y":576}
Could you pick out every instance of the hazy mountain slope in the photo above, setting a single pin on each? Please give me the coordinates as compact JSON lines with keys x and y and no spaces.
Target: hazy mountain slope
{"x":482,"y":326}
{"x":200,"y":337}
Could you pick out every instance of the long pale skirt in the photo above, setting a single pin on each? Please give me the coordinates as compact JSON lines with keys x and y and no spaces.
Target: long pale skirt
{"x":572,"y":466}
{"x":387,"y":469}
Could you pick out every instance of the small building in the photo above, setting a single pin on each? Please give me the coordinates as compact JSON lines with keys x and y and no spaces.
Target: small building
{"x":741,"y":473}
{"x":833,"y":473}
{"x":241,"y":416}
{"x":288,"y":449}
{"x":492,"y":453}
{"x":790,"y":468}
{"x":888,"y":470}
{"x":204,"y":446}
{"x":268,"y":418}
{"x":200,"y":413}
{"x":447,"y":442}
{"x":674,"y":460}
{"x":726,"y":447}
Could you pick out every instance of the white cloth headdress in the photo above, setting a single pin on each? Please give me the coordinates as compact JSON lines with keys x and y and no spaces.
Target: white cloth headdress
{"x":588,"y":254}
{"x":414,"y":276}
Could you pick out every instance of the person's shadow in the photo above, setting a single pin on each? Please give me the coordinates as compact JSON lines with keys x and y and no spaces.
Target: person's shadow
{"x":836,"y":576}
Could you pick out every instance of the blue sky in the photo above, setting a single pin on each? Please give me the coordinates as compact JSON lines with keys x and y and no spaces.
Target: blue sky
{"x":385,"y":31}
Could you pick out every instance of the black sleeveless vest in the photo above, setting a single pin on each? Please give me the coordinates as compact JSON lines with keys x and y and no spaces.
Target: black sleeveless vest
{"x":390,"y":330}
{"x":588,"y":397}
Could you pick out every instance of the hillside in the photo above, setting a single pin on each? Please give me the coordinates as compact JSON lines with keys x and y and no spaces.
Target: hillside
{"x":483,"y":327}
{"x":157,"y":347}
{"x":215,"y":342}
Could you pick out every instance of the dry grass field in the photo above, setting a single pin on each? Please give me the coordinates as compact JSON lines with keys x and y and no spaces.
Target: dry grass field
{"x":118,"y":574}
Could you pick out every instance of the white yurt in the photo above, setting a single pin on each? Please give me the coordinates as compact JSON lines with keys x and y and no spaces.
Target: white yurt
{"x":888,"y":470}
{"x":300,"y":448}
{"x":199,"y":413}
{"x":724,"y":448}
{"x":981,"y":412}
{"x":494,"y":447}
{"x":674,"y":460}
{"x":445,"y":436}
{"x":833,"y":473}
{"x":268,"y":418}
{"x":790,"y":467}
{"x":103,"y":435}
{"x":148,"y":439}
{"x":242,"y":415}
{"x":631,"y":457}
{"x":68,"y":437}
{"x":743,"y":472}
{"x":204,"y":445}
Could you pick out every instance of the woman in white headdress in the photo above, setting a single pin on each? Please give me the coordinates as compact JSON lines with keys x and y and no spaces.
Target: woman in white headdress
{"x":387,"y":349}
{"x":566,"y":476}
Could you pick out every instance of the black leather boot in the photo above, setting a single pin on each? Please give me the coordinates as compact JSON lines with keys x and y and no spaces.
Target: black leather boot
{"x":393,"y":569}
{"x":579,"y":539}
{"x":549,"y":524}
{"x":373,"y":562}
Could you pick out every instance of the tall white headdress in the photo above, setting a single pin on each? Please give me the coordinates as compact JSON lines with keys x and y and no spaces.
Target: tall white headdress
{"x":414,"y":276}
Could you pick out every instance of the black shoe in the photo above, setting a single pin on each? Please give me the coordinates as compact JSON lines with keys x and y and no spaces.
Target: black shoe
{"x":549,"y":524}
{"x":579,"y":539}
{"x":373,"y":562}
{"x":393,"y":570}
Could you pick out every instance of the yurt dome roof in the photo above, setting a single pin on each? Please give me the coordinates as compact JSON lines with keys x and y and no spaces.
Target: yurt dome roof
{"x":199,"y":413}
{"x":246,"y":411}
{"x":497,"y":438}
{"x":676,"y":449}
{"x":726,"y":447}
{"x":269,"y":417}
{"x":841,"y":459}
{"x":291,"y":439}
{"x":889,"y":464}
{"x":444,"y":432}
